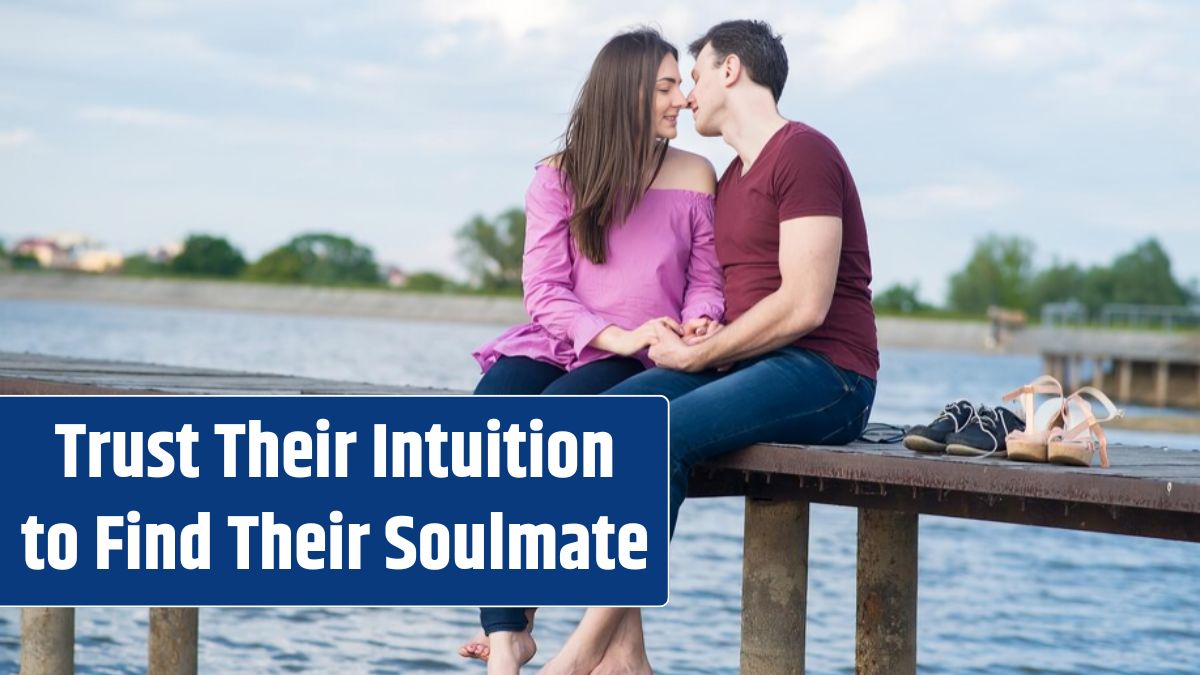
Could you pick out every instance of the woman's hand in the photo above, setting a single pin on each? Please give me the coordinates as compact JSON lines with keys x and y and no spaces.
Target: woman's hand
{"x":623,"y":342}
{"x":699,"y":329}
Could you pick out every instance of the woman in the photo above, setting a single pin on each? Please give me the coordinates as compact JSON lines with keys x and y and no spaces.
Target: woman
{"x":618,"y":240}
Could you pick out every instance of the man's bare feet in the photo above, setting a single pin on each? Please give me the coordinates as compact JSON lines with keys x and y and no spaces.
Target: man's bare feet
{"x":615,"y":667}
{"x":585,"y":649}
{"x":626,"y":653}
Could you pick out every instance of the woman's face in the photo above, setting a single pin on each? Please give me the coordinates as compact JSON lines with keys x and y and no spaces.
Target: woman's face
{"x":668,"y":98}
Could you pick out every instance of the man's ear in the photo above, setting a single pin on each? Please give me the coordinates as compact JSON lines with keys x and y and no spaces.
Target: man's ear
{"x":731,"y":70}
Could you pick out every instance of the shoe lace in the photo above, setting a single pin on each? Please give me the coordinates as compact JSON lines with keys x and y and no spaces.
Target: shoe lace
{"x":991,"y":421}
{"x":954,"y":412}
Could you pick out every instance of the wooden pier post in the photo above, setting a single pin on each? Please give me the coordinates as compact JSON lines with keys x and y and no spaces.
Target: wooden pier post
{"x":48,"y":641}
{"x":774,"y":587}
{"x":1162,"y":376}
{"x":1098,"y":372}
{"x":174,"y":636}
{"x":886,"y":637}
{"x":1125,"y":380}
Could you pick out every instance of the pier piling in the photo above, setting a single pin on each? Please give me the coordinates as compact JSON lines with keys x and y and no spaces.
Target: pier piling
{"x":47,"y":641}
{"x":886,"y":636}
{"x":774,"y":587}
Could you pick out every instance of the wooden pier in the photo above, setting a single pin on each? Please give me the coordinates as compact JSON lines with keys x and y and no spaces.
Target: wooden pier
{"x":1142,"y":368}
{"x":1147,"y":492}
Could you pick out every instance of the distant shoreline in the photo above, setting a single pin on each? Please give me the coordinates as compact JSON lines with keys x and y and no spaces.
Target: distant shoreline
{"x":952,"y":335}
{"x":902,"y":332}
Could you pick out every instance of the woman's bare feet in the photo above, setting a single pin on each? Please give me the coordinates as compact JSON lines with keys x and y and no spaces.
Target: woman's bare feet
{"x":477,"y":648}
{"x":508,"y":651}
{"x":480,"y":646}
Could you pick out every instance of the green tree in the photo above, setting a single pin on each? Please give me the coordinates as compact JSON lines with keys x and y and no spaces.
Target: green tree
{"x":3,"y":251}
{"x":998,"y":273}
{"x":429,"y":282}
{"x":492,"y":251}
{"x":318,"y":258}
{"x":25,"y":261}
{"x":142,"y":265}
{"x":208,"y":256}
{"x":1143,"y":276}
{"x":900,"y":299}
{"x":281,"y":264}
{"x":1057,"y":283}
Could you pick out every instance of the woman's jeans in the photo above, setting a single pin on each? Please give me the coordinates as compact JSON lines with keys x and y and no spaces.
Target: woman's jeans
{"x":522,"y":375}
{"x":790,"y":395}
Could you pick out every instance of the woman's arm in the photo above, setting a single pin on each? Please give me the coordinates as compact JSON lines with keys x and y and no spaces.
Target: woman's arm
{"x":703,"y":294}
{"x":547,"y":263}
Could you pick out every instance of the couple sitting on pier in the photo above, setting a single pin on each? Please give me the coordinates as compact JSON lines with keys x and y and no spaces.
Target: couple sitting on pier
{"x":750,"y":310}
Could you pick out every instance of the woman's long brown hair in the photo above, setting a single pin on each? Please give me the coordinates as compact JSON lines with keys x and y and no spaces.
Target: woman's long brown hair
{"x":609,"y":154}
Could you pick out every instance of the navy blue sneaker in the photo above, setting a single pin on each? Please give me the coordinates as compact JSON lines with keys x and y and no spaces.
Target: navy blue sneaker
{"x":932,"y":437}
{"x":986,"y":436}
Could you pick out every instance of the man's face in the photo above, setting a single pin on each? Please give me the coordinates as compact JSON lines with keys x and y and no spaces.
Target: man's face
{"x":707,"y":99}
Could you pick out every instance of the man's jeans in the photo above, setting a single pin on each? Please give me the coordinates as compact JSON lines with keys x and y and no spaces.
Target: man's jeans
{"x":790,"y":395}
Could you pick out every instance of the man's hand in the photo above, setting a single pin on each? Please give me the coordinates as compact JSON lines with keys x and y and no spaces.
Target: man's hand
{"x":698,"y":330}
{"x":670,"y":351}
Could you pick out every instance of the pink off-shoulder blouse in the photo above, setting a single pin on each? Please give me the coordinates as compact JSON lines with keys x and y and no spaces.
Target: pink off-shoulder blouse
{"x":661,"y":262}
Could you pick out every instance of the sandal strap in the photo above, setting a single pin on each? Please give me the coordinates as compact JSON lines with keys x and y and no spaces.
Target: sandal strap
{"x":1090,"y":424}
{"x":1044,"y":384}
{"x":1100,"y":397}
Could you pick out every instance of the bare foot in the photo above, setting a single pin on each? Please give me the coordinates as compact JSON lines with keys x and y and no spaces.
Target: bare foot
{"x":626,"y":653}
{"x":509,"y":651}
{"x":570,"y":664}
{"x":480,"y":646}
{"x":613,"y":666}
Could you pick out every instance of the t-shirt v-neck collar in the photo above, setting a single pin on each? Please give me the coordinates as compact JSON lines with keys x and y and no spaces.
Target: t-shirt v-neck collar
{"x":742,"y":171}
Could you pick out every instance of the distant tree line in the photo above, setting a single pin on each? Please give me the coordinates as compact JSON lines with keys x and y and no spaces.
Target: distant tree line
{"x":1000,"y":272}
{"x":317,"y":258}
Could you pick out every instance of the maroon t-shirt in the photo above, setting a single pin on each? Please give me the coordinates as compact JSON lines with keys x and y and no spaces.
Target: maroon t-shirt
{"x":798,"y":173}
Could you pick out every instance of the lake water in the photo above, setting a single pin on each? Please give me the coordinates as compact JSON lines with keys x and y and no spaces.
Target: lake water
{"x":1094,"y":603}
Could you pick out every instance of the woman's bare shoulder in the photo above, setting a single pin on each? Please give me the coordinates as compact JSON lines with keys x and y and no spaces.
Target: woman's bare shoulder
{"x":553,"y":161}
{"x":683,"y":170}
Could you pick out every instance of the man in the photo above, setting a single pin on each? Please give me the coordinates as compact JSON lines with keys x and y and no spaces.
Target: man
{"x":798,"y":359}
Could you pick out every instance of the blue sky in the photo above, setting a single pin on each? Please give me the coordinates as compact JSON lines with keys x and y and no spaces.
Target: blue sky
{"x":1072,"y":123}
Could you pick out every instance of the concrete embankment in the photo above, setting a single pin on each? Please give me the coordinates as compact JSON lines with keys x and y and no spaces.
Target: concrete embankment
{"x":242,"y":296}
{"x":256,"y":297}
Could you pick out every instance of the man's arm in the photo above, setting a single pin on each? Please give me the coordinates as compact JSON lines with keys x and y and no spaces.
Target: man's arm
{"x":809,"y":251}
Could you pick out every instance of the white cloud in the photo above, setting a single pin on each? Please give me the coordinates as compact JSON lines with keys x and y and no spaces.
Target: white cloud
{"x":942,"y":198}
{"x":15,"y":138}
{"x":300,"y":82}
{"x":138,"y":117}
{"x":514,"y":20}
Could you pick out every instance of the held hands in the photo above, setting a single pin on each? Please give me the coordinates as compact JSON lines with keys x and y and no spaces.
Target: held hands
{"x":629,"y":342}
{"x":669,"y":350}
{"x":700,"y":329}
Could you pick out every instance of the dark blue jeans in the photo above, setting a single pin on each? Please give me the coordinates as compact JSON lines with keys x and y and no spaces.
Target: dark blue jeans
{"x":790,"y":395}
{"x":523,"y":375}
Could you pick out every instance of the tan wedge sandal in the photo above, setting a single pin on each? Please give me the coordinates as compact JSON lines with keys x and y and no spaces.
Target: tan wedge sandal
{"x":1076,"y":442}
{"x":1030,"y":444}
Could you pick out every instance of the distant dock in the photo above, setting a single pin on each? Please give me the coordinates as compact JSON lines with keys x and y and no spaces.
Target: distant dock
{"x":1154,"y":369}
